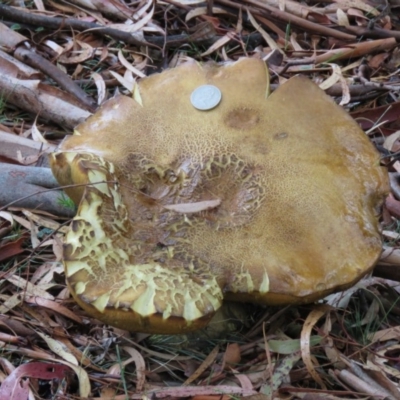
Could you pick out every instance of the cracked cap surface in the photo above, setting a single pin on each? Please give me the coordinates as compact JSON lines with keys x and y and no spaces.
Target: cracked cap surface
{"x":268,"y":199}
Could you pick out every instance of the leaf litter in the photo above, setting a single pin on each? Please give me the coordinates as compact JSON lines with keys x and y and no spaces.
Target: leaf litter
{"x":58,"y":62}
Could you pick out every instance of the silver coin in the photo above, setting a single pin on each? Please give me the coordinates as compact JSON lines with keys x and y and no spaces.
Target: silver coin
{"x":205,"y":97}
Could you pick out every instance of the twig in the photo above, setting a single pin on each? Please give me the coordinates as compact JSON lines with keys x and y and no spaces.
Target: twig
{"x":48,"y":102}
{"x":16,"y":15}
{"x":375,"y":33}
{"x":355,"y":90}
{"x":55,"y":189}
{"x":268,"y":11}
{"x":253,"y":39}
{"x":292,"y":63}
{"x":37,"y":61}
{"x":384,"y":86}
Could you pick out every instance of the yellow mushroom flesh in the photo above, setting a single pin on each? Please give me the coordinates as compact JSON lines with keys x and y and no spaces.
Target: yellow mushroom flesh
{"x":271,"y":200}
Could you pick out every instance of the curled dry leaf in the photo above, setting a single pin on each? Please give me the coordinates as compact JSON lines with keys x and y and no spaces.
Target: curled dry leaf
{"x":44,"y":273}
{"x":189,"y":2}
{"x":70,"y":360}
{"x":204,"y":365}
{"x":384,"y":335}
{"x":332,"y":352}
{"x":137,"y":26}
{"x":77,"y":56}
{"x":188,"y":208}
{"x":331,"y":80}
{"x":59,"y":348}
{"x":54,"y":46}
{"x":29,"y":289}
{"x":390,"y":256}
{"x":391,"y":141}
{"x":244,"y":380}
{"x":45,"y":222}
{"x":13,"y":388}
{"x":294,"y":42}
{"x":39,"y":5}
{"x":9,"y":303}
{"x":101,"y":87}
{"x":138,"y":359}
{"x":114,"y":9}
{"x":34,"y":234}
{"x":129,"y":66}
{"x":232,"y":355}
{"x":7,"y":216}
{"x":360,"y":4}
{"x":271,"y":42}
{"x":58,"y":249}
{"x":342,"y":18}
{"x":337,"y":75}
{"x":124,"y":82}
{"x":218,"y":44}
{"x":309,"y":323}
{"x":381,"y":360}
{"x":12,"y":249}
{"x":197,"y":12}
{"x":54,"y":306}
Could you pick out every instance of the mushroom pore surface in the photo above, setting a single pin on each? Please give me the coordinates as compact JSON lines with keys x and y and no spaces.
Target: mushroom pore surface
{"x":266,"y":199}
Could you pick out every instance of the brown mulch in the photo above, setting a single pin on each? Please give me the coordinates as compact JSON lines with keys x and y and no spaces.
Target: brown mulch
{"x":59,"y":61}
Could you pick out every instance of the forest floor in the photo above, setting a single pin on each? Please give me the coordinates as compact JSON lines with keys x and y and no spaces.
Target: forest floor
{"x":60,"y":60}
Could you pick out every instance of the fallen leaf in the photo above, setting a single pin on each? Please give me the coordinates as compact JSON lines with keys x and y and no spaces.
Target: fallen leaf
{"x":13,"y":388}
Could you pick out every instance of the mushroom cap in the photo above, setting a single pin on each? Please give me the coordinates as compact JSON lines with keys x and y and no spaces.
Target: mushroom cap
{"x":265,"y":199}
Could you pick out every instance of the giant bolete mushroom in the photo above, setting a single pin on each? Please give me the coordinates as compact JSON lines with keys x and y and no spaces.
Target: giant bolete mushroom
{"x":264,"y":199}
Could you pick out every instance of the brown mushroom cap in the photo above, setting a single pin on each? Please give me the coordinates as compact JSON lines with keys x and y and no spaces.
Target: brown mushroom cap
{"x":268,"y":200}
